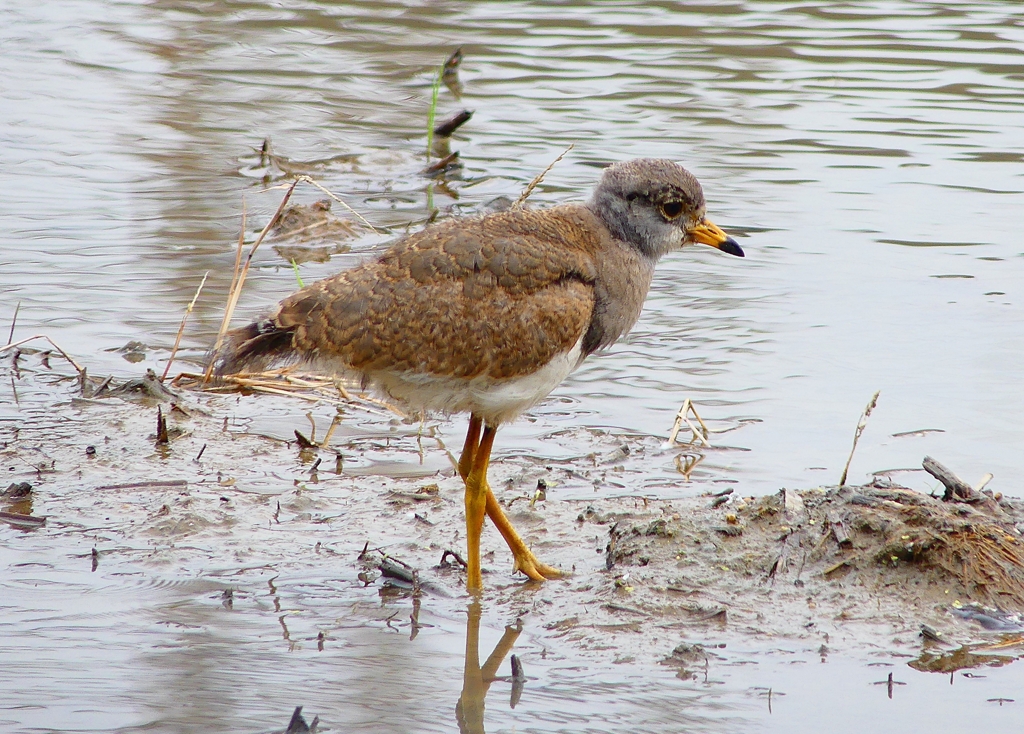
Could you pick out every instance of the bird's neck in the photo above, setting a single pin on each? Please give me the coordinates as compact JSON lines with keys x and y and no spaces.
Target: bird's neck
{"x":627,"y":225}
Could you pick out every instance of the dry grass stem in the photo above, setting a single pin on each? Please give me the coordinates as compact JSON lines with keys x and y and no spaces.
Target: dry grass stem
{"x":306,"y":179}
{"x":698,"y":435}
{"x":226,"y":319}
{"x":14,"y":320}
{"x":238,"y":281}
{"x":341,"y":388}
{"x":310,"y":388}
{"x":181,"y":328}
{"x":856,"y":436}
{"x":65,"y":355}
{"x":537,"y":179}
{"x":335,"y":422}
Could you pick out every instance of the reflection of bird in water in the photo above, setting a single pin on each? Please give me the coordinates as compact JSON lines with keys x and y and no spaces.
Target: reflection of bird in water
{"x":476,"y":678}
{"x":488,"y":315}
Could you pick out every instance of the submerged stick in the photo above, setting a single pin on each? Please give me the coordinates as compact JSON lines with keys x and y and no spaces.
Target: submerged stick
{"x":445,"y":128}
{"x":856,"y":435}
{"x":441,"y":165}
{"x":450,"y":73}
{"x":24,"y":522}
{"x":162,"y":436}
{"x":181,"y":328}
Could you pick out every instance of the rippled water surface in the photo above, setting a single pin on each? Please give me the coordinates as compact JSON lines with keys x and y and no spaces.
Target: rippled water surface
{"x":868,"y":157}
{"x":117,"y":650}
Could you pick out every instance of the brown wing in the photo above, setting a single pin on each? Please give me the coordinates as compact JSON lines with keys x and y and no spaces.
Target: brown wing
{"x":496,"y":296}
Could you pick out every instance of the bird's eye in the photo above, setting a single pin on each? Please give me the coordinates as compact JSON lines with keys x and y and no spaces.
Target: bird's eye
{"x":672,"y":209}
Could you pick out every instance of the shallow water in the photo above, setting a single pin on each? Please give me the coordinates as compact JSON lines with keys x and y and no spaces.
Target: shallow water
{"x":128,"y":649}
{"x":228,"y":624}
{"x":867,"y":156}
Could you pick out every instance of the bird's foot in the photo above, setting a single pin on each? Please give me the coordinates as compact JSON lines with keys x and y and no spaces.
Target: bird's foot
{"x":537,"y":571}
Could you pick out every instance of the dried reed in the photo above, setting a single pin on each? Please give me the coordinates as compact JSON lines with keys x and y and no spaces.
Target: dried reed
{"x":181,"y":328}
{"x":238,"y":279}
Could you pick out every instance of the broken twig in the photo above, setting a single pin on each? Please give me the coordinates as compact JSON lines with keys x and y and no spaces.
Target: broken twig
{"x":683,"y":416}
{"x":957,"y":490}
{"x":856,"y":436}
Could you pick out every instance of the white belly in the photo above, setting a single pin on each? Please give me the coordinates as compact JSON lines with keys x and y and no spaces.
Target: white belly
{"x":496,"y":401}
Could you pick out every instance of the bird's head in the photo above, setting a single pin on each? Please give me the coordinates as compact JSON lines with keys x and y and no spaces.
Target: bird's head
{"x":656,"y":206}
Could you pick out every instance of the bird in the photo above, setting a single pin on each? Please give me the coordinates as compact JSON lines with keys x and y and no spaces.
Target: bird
{"x":486,"y":315}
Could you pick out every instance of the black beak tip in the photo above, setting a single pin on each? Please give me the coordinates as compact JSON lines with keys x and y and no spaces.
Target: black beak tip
{"x":732,"y":247}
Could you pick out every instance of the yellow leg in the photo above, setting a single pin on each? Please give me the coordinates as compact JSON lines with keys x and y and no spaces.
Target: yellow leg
{"x":476,"y":505}
{"x":473,"y":463}
{"x":469,"y":448}
{"x":525,"y":561}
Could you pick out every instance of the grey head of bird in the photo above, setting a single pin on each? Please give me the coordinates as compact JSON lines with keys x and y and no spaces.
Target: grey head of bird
{"x":656,"y":206}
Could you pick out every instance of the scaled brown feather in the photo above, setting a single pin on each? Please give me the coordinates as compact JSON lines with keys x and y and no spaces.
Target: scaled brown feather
{"x":494,"y":296}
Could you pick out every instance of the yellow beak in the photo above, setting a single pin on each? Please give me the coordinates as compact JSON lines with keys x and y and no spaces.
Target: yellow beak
{"x":708,"y":233}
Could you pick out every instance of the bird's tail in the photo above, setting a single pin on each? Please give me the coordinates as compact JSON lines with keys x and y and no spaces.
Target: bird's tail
{"x":254,"y":347}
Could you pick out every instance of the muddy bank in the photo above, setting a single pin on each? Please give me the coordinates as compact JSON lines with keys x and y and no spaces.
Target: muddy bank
{"x":850,"y":569}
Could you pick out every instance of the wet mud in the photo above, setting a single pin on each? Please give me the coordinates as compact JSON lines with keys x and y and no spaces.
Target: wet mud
{"x":381,"y":507}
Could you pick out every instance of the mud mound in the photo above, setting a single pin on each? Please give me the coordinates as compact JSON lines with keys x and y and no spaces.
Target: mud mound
{"x":883,"y":530}
{"x":875,"y":535}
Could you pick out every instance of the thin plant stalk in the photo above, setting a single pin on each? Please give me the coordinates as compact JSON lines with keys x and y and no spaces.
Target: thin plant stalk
{"x":298,"y":278}
{"x":521,"y":201}
{"x":234,"y":276}
{"x":306,"y":179}
{"x":239,"y":280}
{"x":14,"y":320}
{"x":432,"y":111}
{"x":181,"y":328}
{"x":856,"y":436}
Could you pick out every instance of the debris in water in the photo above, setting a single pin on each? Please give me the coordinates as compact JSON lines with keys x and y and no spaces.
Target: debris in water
{"x":446,"y":128}
{"x":298,"y":725}
{"x":450,"y":73}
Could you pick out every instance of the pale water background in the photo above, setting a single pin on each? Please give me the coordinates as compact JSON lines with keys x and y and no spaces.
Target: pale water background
{"x":868,"y":156}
